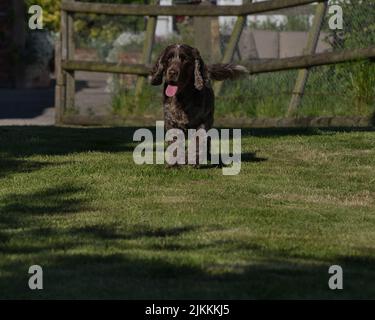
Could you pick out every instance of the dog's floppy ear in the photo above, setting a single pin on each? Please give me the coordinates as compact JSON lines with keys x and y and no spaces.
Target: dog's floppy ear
{"x":200,"y":72}
{"x":158,"y":69}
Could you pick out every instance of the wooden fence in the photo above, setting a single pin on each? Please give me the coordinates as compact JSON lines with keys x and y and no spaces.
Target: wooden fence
{"x":66,"y":65}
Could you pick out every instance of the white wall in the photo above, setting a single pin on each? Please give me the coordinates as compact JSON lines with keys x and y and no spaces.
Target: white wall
{"x":164,"y":26}
{"x":227,"y":23}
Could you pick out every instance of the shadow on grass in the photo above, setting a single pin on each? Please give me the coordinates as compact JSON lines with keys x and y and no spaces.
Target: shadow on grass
{"x":56,"y":200}
{"x":141,"y":262}
{"x":127,"y":276}
{"x":139,"y":231}
{"x":251,"y":157}
{"x":32,"y":140}
{"x":276,"y":132}
{"x":12,"y":165}
{"x":22,"y":142}
{"x":20,"y":209}
{"x":247,"y":157}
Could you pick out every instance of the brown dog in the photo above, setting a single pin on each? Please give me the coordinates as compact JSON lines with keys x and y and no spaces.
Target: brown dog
{"x":188,"y":98}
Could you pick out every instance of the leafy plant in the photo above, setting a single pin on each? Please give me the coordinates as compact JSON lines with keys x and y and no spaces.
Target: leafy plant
{"x":51,"y":12}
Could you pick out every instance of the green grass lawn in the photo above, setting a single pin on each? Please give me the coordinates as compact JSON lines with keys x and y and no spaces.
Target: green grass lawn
{"x":73,"y":201}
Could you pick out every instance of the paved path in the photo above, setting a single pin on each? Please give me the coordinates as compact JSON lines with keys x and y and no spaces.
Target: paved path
{"x":27,"y":106}
{"x":35,"y":106}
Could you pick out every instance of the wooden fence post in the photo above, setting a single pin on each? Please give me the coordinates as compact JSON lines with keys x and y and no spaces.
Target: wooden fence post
{"x":147,"y":51}
{"x":206,"y":34}
{"x":61,"y":55}
{"x":60,"y":83}
{"x":70,"y":81}
{"x":231,"y":47}
{"x":312,"y":41}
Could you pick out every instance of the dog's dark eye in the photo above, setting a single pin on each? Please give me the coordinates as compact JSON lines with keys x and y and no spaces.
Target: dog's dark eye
{"x":184,"y":59}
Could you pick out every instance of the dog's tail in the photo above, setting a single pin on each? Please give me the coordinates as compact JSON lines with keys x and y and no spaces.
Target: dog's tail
{"x":222,"y":71}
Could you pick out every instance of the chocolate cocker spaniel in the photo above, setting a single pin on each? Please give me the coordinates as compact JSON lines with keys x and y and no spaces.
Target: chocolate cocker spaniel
{"x":188,"y":97}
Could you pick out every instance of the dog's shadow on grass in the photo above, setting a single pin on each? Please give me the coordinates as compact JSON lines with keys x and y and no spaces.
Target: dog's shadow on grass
{"x":246,"y":157}
{"x":251,"y":157}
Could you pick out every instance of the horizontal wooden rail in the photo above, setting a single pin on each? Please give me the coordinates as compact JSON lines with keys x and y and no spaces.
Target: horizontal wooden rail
{"x":138,"y":69}
{"x":255,"y":67}
{"x":180,"y":10}
{"x":313,"y":60}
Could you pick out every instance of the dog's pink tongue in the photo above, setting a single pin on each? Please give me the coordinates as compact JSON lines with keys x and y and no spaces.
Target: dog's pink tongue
{"x":171,"y":90}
